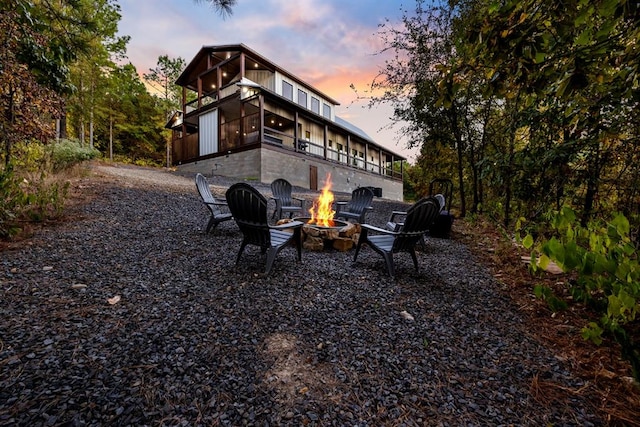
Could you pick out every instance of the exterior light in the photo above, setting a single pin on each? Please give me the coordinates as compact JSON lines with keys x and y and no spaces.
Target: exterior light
{"x":248,"y":88}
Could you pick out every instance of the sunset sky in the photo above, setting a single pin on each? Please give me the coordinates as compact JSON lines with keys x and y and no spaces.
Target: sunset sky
{"x":330,"y":44}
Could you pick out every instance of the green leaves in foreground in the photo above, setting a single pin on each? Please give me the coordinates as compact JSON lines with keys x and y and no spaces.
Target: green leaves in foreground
{"x":605,"y":262}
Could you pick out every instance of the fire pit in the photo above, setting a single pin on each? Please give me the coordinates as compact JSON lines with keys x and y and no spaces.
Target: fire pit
{"x":339,"y":235}
{"x":321,"y":230}
{"x":331,"y":224}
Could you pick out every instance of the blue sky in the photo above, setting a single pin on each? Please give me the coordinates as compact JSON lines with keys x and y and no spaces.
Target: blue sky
{"x":329,"y":43}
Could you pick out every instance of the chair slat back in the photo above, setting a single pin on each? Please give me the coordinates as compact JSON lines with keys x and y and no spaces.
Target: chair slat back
{"x":249,"y":208}
{"x":281,"y":188}
{"x":445,"y":187}
{"x":205,"y":194}
{"x":419,"y":217}
{"x":361,"y":198}
{"x":203,"y":189}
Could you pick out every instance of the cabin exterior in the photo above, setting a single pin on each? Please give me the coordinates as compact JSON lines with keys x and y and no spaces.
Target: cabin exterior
{"x":245,"y":117}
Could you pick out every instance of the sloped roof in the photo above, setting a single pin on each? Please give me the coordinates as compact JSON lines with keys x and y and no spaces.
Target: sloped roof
{"x":353,"y":129}
{"x":240,"y":47}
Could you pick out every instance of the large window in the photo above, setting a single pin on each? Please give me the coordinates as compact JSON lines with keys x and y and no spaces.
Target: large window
{"x":287,"y":90}
{"x":326,"y":111}
{"x":302,"y":98}
{"x":315,"y":105}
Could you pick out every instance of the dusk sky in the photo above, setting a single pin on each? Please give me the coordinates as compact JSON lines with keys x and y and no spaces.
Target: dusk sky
{"x":330,"y":44}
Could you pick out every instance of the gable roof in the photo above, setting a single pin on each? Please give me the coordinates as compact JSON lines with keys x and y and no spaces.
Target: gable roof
{"x":204,"y":51}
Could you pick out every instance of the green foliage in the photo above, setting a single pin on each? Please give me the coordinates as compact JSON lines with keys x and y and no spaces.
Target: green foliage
{"x":162,"y":79}
{"x":22,"y":199}
{"x":67,"y":153}
{"x":546,"y":293}
{"x":605,"y":261}
{"x":30,"y":156}
{"x":29,"y":189}
{"x":11,"y":198}
{"x":45,"y":199}
{"x":592,"y":332}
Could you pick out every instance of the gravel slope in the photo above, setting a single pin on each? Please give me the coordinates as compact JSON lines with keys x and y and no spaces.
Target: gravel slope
{"x":195,"y":340}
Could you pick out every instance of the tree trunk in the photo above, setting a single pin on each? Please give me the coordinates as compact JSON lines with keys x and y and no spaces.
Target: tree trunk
{"x":592,"y":184}
{"x":8,"y":132}
{"x":460,"y":150}
{"x":508,"y":174}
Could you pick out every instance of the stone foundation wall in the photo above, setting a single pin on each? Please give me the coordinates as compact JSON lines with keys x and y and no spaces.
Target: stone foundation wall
{"x":269,"y":163}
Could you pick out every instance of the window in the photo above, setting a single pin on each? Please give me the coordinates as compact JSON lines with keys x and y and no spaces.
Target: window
{"x":315,"y":105}
{"x":326,"y":111}
{"x":287,"y":90}
{"x":302,"y":98}
{"x":307,"y":135}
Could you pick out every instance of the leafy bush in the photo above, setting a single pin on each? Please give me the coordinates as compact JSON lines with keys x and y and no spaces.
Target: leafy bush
{"x":34,"y":200}
{"x":28,"y":189}
{"x":67,"y":153}
{"x":605,"y":261}
{"x":11,"y":197}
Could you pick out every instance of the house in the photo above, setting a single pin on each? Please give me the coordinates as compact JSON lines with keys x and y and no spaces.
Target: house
{"x":245,"y":117}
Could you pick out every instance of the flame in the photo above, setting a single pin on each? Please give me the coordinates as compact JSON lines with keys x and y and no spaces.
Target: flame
{"x":322,"y":210}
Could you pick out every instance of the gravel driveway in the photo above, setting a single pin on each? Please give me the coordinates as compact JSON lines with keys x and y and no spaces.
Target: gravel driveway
{"x":129,"y":315}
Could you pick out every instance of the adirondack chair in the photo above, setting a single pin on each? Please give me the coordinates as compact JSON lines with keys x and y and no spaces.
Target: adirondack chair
{"x":396,"y":219}
{"x":386,"y":242}
{"x":249,"y":209}
{"x":441,"y":227}
{"x":281,"y":193}
{"x":217,"y":207}
{"x":357,"y":208}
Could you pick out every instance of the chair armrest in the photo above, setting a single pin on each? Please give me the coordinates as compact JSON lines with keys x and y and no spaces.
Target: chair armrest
{"x":377,"y":229}
{"x":218,"y":203}
{"x":292,"y":224}
{"x":340,"y":205}
{"x":302,"y":201}
{"x":396,"y":213}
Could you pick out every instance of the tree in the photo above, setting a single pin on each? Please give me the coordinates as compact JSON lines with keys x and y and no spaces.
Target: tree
{"x":90,"y":72}
{"x":223,"y":7}
{"x":162,"y":80}
{"x":429,"y":90}
{"x":575,"y":61}
{"x":131,"y":117}
{"x":40,"y":41}
{"x":536,"y":97}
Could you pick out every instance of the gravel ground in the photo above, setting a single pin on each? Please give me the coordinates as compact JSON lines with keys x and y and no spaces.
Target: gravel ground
{"x":195,"y":340}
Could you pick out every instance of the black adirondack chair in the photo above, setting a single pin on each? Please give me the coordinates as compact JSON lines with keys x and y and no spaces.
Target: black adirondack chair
{"x":419,"y":218}
{"x":357,"y":208}
{"x":441,"y":226}
{"x":396,"y":219}
{"x":249,"y":209}
{"x":281,"y":193}
{"x":217,"y":207}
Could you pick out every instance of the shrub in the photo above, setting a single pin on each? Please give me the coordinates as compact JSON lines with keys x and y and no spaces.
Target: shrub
{"x":11,"y":198}
{"x":67,"y":153}
{"x":605,"y":261}
{"x":29,"y":191}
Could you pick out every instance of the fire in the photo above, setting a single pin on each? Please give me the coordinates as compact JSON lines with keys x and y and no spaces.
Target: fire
{"x":322,"y":210}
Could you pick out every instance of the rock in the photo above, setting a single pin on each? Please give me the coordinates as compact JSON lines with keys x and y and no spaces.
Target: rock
{"x":342,"y":244}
